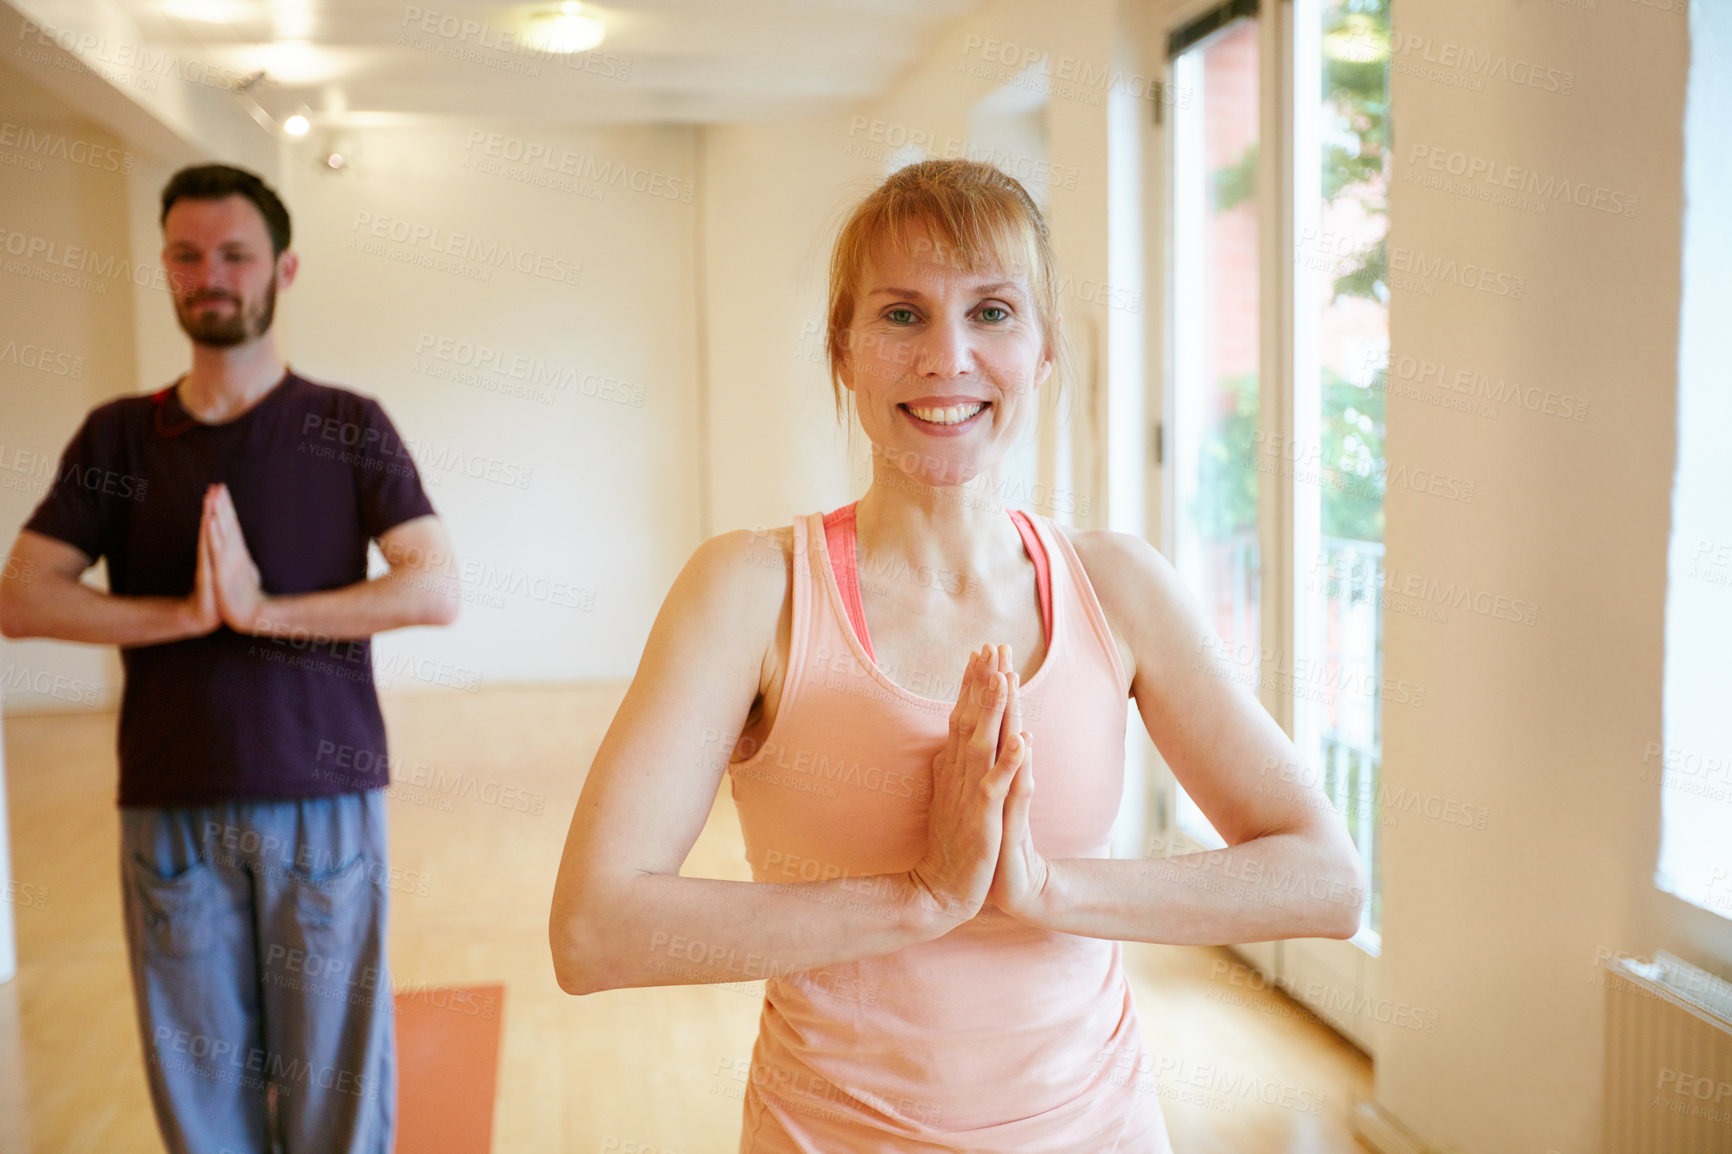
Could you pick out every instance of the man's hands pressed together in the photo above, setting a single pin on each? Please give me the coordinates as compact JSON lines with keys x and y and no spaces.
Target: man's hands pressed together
{"x":226,"y":590}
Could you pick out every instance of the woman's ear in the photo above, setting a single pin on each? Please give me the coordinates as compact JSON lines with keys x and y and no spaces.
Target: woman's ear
{"x":1049,"y":354}
{"x":845,"y":370}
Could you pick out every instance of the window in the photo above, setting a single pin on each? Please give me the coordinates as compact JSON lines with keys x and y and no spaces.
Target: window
{"x":1340,"y":320}
{"x":1215,"y":380}
{"x":1693,"y":759}
{"x":1275,"y":400}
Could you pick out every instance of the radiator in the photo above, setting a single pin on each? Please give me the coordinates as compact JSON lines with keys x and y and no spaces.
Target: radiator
{"x":1668,"y":1058}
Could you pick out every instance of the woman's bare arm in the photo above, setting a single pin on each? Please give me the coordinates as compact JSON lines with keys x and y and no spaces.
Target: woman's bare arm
{"x":1289,"y":869}
{"x":622,"y":915}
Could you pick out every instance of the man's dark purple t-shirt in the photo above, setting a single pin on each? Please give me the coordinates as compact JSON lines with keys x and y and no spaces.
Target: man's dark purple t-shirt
{"x":315,"y":472}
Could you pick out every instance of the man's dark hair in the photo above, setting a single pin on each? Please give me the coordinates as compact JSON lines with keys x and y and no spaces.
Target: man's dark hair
{"x":216,"y":181}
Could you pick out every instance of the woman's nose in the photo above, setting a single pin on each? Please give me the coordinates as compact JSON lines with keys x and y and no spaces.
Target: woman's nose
{"x":944,"y":351}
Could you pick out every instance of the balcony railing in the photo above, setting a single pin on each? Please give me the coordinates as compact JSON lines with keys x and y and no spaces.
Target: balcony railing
{"x":1348,"y":578}
{"x":1351,"y":757}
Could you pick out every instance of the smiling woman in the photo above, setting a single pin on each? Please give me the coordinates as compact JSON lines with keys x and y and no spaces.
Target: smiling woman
{"x":940,"y":937}
{"x":971,"y":220}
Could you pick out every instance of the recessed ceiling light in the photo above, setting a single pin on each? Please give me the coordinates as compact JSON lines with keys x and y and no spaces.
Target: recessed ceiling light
{"x":297,"y":125}
{"x":210,"y":11}
{"x":568,"y":28}
{"x":297,"y":62}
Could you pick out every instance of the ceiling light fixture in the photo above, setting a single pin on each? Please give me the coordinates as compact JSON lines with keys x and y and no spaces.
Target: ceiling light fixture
{"x":297,"y":125}
{"x":209,"y":11}
{"x":566,"y":29}
{"x":336,"y":150}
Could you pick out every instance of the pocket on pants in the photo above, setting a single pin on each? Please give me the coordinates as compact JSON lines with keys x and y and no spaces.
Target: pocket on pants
{"x":330,"y":903}
{"x":176,"y":909}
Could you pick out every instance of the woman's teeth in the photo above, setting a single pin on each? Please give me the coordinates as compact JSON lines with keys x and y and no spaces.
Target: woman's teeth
{"x":954,"y":415}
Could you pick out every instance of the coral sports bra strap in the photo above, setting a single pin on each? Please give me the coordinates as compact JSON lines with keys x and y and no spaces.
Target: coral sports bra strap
{"x":839,"y":538}
{"x":1042,"y":573}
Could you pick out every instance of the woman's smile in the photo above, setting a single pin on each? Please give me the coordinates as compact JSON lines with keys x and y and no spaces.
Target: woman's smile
{"x":944,"y":417}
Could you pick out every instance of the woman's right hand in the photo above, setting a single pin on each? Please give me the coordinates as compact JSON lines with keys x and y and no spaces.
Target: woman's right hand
{"x":970,"y":778}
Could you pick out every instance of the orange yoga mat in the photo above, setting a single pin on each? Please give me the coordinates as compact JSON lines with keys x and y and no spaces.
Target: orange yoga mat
{"x":447,"y":1068}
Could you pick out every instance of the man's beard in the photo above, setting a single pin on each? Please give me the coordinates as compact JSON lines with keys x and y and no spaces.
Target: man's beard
{"x":227,"y":331}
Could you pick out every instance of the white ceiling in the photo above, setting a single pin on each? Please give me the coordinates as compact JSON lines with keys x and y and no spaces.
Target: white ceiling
{"x":705,"y":61}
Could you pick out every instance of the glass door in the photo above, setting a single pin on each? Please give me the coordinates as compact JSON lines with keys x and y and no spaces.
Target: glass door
{"x":1214,"y":395}
{"x":1340,"y":350}
{"x":1277,"y":339}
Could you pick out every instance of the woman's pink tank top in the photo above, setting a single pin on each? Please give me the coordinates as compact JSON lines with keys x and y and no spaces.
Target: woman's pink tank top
{"x":996,"y":1037}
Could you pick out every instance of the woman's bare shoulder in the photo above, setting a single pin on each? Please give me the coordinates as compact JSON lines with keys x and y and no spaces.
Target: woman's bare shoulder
{"x":745,"y":569}
{"x":1133,"y":583}
{"x":750,"y":583}
{"x":1117,"y":563}
{"x":1144,"y":596}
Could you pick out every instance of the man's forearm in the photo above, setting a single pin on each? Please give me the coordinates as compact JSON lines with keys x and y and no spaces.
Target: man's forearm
{"x":1279,"y":886}
{"x":397,"y":599}
{"x":69,"y":610}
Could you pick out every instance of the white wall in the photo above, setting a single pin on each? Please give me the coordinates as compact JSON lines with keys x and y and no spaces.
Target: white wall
{"x":64,"y":345}
{"x":65,"y":340}
{"x":772,"y":197}
{"x":1498,"y":931}
{"x":569,"y":518}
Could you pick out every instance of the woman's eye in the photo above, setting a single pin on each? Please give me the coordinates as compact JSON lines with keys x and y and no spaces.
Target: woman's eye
{"x":1002,"y":313}
{"x":900,"y":316}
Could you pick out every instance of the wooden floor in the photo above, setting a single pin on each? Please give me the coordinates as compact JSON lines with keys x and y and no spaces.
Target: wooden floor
{"x":652,"y":1067}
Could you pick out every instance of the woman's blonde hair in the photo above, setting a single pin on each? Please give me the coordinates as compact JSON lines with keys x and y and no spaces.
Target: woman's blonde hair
{"x":975,"y":215}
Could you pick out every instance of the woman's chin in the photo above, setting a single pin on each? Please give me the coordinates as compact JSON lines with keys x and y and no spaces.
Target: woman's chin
{"x":931,"y":470}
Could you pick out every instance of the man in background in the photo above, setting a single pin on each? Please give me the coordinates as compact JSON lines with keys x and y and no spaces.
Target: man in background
{"x":234,"y":509}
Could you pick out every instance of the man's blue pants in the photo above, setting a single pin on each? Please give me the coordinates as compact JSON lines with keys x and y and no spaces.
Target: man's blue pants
{"x":256,"y":935}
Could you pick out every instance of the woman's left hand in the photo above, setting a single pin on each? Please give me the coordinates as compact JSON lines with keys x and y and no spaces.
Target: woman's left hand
{"x":1020,"y":883}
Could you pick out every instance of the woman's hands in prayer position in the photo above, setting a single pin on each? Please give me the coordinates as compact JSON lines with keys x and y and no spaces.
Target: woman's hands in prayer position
{"x":1020,"y":883}
{"x":979,"y":847}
